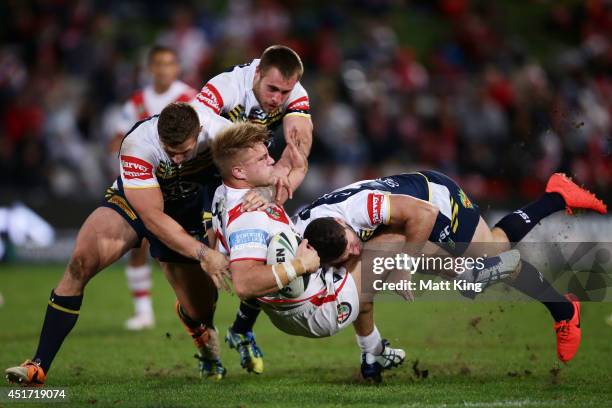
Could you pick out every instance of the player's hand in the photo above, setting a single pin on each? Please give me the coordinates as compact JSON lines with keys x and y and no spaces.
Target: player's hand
{"x":282,"y":184}
{"x":216,"y":265}
{"x":297,"y":159}
{"x":258,"y":198}
{"x":308,"y":256}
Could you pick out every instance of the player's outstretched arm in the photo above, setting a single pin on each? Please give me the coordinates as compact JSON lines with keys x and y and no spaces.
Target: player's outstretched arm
{"x":149,"y":204}
{"x":290,"y":170}
{"x":414,"y":217}
{"x":298,"y":128}
{"x":253,"y":278}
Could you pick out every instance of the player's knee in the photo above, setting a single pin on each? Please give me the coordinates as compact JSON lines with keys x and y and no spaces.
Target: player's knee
{"x":365,"y":307}
{"x":82,"y":266}
{"x":500,"y":237}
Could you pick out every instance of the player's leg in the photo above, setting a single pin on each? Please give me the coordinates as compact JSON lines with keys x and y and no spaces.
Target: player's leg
{"x":196,"y":296}
{"x":561,"y":193}
{"x":529,"y":280}
{"x":104,"y":237}
{"x":240,"y":336}
{"x":376,"y":353}
{"x":565,"y":310}
{"x":140,"y":282}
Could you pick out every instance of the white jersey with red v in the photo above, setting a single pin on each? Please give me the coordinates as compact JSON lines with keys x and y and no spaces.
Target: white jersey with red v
{"x":146,"y":102}
{"x":245,"y":235}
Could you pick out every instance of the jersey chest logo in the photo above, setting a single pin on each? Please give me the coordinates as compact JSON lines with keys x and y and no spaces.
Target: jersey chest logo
{"x":277,"y":214}
{"x":257,"y":115}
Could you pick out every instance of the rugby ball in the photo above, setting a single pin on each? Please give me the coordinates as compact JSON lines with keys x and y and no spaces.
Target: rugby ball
{"x":282,"y":248}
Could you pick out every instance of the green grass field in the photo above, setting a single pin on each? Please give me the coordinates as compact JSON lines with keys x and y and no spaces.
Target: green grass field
{"x":475,"y":354}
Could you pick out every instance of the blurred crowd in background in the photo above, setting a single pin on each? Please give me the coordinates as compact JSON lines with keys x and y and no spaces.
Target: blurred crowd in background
{"x":496,"y":95}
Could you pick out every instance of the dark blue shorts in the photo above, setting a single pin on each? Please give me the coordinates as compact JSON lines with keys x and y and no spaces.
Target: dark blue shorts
{"x":192,"y":213}
{"x":453,"y":231}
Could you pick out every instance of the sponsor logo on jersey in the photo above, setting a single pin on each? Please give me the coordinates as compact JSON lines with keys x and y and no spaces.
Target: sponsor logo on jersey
{"x":299,"y":105}
{"x":344,"y":312}
{"x":465,"y":201}
{"x":248,"y":238}
{"x":210,"y":96}
{"x":375,"y":205}
{"x":135,"y":168}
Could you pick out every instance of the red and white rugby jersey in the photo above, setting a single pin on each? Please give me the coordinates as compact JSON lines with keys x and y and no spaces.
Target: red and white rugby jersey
{"x":246,"y":235}
{"x":230,"y":94}
{"x":363,"y":206}
{"x":146,"y":102}
{"x":145,"y":164}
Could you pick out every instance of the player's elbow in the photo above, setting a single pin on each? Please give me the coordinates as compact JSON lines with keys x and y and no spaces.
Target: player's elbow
{"x":243,"y":289}
{"x":429,"y":213}
{"x":424,"y":219}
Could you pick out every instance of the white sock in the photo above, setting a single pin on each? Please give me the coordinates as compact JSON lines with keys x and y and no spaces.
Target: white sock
{"x":372,"y":343}
{"x":143,"y":305}
{"x":140,"y":282}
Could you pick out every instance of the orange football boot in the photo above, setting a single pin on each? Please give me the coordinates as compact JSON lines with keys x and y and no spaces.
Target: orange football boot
{"x":574,"y":195}
{"x":569,"y":332}
{"x":27,"y":374}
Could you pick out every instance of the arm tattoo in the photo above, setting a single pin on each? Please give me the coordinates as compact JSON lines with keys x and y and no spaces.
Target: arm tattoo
{"x":201,"y":252}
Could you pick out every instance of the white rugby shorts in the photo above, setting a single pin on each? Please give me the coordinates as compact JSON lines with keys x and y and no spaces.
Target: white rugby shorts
{"x":323,"y":314}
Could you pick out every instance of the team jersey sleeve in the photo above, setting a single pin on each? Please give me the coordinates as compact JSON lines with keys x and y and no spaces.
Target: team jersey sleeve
{"x":368,"y":209}
{"x":298,"y":102}
{"x":220,"y":93}
{"x":248,"y":236}
{"x":137,"y":162}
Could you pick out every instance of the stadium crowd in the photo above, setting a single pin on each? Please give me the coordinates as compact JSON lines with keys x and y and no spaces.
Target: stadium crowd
{"x":454,"y":85}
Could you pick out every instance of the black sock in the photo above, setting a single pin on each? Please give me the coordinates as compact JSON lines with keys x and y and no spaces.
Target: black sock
{"x":189,"y":322}
{"x":518,"y":224}
{"x":62,"y":314}
{"x":532,"y":283}
{"x":246,"y":316}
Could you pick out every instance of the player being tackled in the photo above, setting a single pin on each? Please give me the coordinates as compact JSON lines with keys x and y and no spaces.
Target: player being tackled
{"x":329,"y":301}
